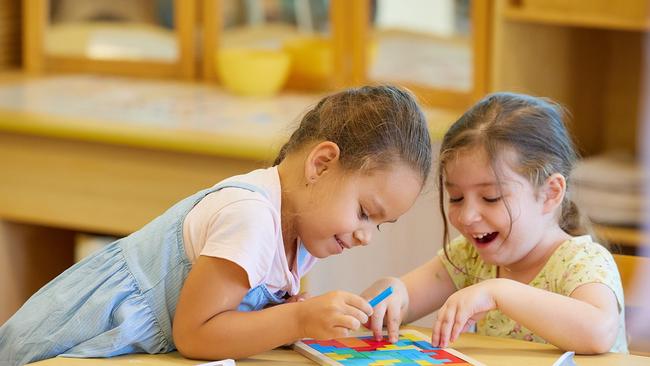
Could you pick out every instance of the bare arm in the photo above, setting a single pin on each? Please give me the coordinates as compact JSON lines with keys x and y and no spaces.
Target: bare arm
{"x":586,"y":322}
{"x":428,"y":287}
{"x":416,"y":294}
{"x":207,"y":325}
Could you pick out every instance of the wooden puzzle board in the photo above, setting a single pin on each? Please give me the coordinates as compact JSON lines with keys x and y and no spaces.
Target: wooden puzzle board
{"x":412,"y":349}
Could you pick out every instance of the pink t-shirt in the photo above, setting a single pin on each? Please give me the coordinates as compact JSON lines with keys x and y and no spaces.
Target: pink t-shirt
{"x":244,"y":227}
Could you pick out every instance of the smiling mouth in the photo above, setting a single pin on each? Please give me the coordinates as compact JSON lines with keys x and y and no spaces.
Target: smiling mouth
{"x":341,"y":243}
{"x":485,"y":238}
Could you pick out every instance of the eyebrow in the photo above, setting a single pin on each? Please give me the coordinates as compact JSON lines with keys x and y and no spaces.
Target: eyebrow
{"x":484,"y":184}
{"x":382,"y":211}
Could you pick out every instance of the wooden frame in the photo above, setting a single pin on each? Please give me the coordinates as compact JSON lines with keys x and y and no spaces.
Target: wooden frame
{"x":346,"y":346}
{"x":630,"y":15}
{"x":345,"y":17}
{"x":481,"y":11}
{"x":632,"y":269}
{"x":350,"y":34}
{"x":211,"y":25}
{"x":36,"y":61}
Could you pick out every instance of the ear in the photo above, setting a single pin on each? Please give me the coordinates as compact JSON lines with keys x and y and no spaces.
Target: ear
{"x":320,"y":159}
{"x":553,"y":192}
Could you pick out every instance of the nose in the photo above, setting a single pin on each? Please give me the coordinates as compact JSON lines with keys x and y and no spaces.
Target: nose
{"x":469,"y":214}
{"x":362,"y":236}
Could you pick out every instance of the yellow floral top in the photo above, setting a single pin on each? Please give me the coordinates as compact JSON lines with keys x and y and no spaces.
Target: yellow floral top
{"x":575,"y":262}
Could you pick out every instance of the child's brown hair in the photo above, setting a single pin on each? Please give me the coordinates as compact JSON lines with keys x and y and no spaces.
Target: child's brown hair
{"x":374,"y":127}
{"x":532,"y":127}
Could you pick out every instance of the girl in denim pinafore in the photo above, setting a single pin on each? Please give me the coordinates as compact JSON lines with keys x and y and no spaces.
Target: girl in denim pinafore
{"x":117,"y":301}
{"x":359,"y":158}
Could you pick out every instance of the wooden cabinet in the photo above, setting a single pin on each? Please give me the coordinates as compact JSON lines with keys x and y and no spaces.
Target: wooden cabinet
{"x":589,"y":56}
{"x":627,"y":14}
{"x":437,"y":49}
{"x":151,"y":38}
{"x":316,"y":34}
{"x":597,"y":73}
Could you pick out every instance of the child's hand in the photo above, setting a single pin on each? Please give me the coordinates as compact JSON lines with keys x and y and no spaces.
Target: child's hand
{"x":389,"y":310}
{"x":332,"y":315}
{"x":298,"y":298}
{"x":461,"y":311}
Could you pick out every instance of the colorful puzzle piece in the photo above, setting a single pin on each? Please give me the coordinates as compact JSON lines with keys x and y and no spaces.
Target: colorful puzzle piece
{"x":412,"y":348}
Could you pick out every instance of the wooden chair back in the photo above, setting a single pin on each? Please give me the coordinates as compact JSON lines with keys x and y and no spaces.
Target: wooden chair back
{"x":635,"y":276}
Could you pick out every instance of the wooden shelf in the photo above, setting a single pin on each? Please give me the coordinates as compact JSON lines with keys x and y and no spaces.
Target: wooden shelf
{"x":623,"y":236}
{"x":622,"y":15}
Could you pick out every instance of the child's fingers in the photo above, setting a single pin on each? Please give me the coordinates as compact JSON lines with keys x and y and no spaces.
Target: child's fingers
{"x":445,"y":329}
{"x":340,"y":332}
{"x":377,"y":322}
{"x":298,"y":298}
{"x":435,"y":331}
{"x":348,"y":322}
{"x":459,"y":324}
{"x":444,"y":325}
{"x":392,"y":324}
{"x":470,"y":324}
{"x":356,"y":313}
{"x":435,"y":334}
{"x":359,"y":303}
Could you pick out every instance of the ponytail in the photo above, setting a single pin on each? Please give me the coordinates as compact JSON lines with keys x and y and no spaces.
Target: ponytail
{"x":571,"y":220}
{"x":575,"y":223}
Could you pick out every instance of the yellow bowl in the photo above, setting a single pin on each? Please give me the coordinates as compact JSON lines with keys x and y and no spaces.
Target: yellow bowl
{"x":312,"y":65}
{"x":312,"y":61}
{"x":252,"y":72}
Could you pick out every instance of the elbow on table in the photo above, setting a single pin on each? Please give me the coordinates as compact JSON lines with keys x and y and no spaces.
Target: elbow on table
{"x":599,"y":339}
{"x":595,"y":347}
{"x":191,"y":346}
{"x":183,"y":344}
{"x":186,"y":345}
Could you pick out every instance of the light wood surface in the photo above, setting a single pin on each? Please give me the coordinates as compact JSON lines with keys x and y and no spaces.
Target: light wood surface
{"x":96,"y":187}
{"x":632,"y":269}
{"x":623,"y":236}
{"x":489,"y":350}
{"x":624,"y":15}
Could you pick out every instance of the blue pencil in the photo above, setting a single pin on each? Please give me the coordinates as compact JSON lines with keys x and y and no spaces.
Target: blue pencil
{"x":382,"y":295}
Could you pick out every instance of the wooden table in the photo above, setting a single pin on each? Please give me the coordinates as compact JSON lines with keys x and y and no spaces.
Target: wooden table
{"x":488,"y":350}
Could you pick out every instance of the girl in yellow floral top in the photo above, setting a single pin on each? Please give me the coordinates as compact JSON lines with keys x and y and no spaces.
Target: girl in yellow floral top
{"x":522,"y":267}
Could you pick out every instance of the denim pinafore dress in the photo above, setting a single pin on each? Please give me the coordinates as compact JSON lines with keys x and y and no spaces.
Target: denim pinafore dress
{"x":119,"y":300}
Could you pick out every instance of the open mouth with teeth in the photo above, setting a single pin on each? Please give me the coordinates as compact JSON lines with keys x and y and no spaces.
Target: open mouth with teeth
{"x":485,"y":238}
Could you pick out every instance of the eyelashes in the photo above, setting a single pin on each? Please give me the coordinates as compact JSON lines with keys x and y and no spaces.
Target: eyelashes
{"x":492,"y":200}
{"x":486,"y":199}
{"x":364,"y":216}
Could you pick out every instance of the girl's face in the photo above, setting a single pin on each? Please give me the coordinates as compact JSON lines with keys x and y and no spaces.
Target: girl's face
{"x":479,"y":204}
{"x":343,"y":210}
